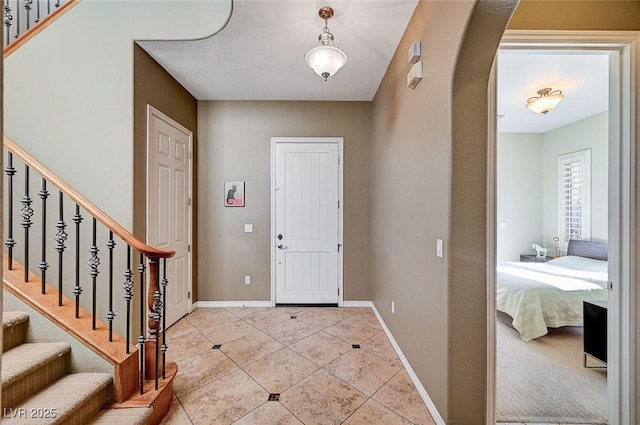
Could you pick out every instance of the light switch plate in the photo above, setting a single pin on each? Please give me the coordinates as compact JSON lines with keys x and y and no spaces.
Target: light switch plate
{"x":439,"y":249}
{"x":248,"y":228}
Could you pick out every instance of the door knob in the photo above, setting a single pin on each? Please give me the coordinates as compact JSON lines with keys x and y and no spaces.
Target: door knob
{"x":280,"y":237}
{"x":280,"y":246}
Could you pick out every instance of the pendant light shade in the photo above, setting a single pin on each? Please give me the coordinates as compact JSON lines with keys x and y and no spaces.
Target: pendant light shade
{"x":545,"y":102}
{"x":325,"y":59}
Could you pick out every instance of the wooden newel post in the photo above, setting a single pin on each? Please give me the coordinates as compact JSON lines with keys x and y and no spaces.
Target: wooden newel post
{"x":154,"y":302}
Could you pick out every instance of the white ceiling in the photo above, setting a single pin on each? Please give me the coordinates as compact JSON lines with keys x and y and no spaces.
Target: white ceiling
{"x":259,"y":55}
{"x":582,"y":76}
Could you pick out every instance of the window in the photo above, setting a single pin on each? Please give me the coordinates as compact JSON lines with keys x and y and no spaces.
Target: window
{"x":574,"y":197}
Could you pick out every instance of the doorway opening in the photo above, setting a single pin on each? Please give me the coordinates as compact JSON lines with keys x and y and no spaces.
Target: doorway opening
{"x":552,"y":187}
{"x":620,"y":206}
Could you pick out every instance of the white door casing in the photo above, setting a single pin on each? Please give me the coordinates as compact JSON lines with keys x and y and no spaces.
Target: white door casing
{"x":623,"y":375}
{"x":306,"y":221}
{"x":169,"y":185}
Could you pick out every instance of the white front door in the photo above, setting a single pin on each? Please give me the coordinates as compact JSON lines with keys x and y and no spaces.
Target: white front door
{"x":168,"y":205}
{"x":307,"y":218}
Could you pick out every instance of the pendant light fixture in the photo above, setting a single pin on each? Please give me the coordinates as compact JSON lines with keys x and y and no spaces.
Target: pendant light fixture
{"x":325,"y":59}
{"x":545,"y":102}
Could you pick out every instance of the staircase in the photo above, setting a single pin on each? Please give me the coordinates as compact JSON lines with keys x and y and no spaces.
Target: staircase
{"x":37,"y":387}
{"x":89,"y":266}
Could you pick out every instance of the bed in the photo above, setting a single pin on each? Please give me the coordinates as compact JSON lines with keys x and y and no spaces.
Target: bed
{"x":538,"y":296}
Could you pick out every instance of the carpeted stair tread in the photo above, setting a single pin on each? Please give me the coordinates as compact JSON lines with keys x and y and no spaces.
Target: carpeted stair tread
{"x":75,"y":398}
{"x":129,"y":416}
{"x":12,"y":318}
{"x":26,"y":358}
{"x":15,"y":327}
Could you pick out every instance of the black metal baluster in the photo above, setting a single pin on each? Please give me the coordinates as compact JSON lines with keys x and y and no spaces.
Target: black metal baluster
{"x":111,"y":244}
{"x":27,"y":6}
{"x":38,"y":2}
{"x":77,"y":290}
{"x":44,"y":266}
{"x":94,"y":262}
{"x":57,"y":4}
{"x":128,"y":294}
{"x":60,"y":238}
{"x":48,"y":7}
{"x":8,"y":18}
{"x":17,"y":34}
{"x":26,"y":212}
{"x":157,"y":309}
{"x":10,"y":171}
{"x":141,"y":338}
{"x":164,"y":284}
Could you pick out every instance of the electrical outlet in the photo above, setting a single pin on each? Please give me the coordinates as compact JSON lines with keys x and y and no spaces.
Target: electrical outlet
{"x":247,"y":280}
{"x":393,"y":307}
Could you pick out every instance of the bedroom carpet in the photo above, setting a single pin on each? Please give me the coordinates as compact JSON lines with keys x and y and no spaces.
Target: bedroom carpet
{"x":543,"y":381}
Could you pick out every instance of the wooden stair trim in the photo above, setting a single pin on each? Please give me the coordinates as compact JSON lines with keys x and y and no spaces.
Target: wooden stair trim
{"x":84,"y":203}
{"x":37,"y":28}
{"x":159,"y":400}
{"x":47,"y":305}
{"x":126,"y":366}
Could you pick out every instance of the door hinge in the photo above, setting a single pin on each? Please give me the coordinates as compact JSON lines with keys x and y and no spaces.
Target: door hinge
{"x":188,"y":201}
{"x":338,"y":291}
{"x":610,"y":286}
{"x":188,"y":248}
{"x":189,"y":154}
{"x":338,"y":204}
{"x":339,"y":246}
{"x":338,"y":160}
{"x":189,"y":294}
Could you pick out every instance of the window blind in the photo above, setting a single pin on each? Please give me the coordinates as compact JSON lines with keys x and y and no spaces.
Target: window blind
{"x":574,"y":196}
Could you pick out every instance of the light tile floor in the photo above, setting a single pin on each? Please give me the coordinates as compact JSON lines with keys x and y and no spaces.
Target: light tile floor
{"x":307,"y":356}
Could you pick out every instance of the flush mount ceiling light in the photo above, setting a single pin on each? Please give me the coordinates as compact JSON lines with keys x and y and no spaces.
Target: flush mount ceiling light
{"x":545,"y":102}
{"x":325,"y":59}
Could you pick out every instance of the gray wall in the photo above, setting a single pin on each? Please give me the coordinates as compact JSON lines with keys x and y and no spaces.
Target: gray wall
{"x":527,"y":184}
{"x":519,"y":194}
{"x":593,"y":133}
{"x":235,"y":145}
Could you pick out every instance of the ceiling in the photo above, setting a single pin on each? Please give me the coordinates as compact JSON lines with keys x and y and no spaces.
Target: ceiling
{"x":583,"y":77}
{"x":259,"y":55}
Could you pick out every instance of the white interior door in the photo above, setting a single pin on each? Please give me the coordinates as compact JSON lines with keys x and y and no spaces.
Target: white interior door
{"x":168,"y":205}
{"x":307,"y":219}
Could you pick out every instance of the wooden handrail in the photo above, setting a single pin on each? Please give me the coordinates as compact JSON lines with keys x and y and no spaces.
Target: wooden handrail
{"x":84,"y":203}
{"x":45,"y":22}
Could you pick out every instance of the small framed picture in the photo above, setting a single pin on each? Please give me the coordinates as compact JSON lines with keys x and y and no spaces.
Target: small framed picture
{"x":234,"y":194}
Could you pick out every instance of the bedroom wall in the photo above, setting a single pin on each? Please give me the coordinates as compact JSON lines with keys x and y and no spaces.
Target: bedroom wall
{"x":591,"y":133}
{"x":519,"y":194}
{"x":235,"y":144}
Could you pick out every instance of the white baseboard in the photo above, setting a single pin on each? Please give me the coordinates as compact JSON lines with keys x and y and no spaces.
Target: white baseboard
{"x":357,"y":304}
{"x":225,"y":304}
{"x":414,"y":378}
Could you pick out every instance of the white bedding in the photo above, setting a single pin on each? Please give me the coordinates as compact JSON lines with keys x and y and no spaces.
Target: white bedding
{"x":542,"y":295}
